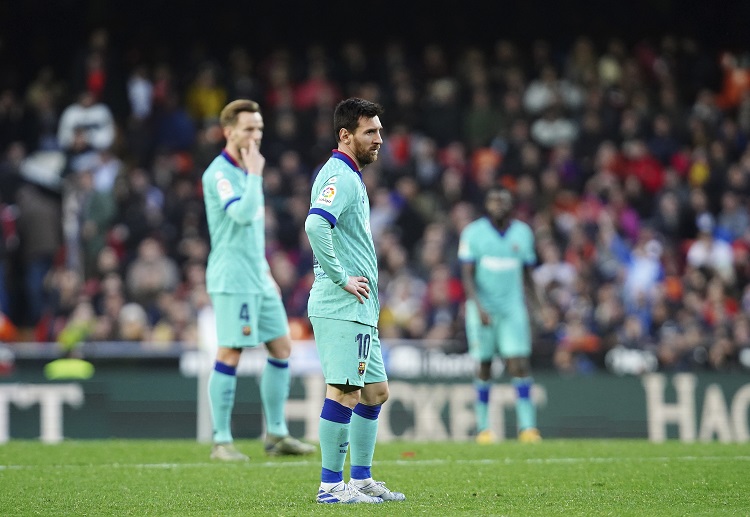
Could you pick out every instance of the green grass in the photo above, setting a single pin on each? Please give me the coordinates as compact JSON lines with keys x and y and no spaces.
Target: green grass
{"x":556,"y":477}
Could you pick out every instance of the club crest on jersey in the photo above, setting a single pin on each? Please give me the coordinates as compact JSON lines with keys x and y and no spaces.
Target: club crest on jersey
{"x":361,"y":368}
{"x":246,"y":330}
{"x":327,"y":195}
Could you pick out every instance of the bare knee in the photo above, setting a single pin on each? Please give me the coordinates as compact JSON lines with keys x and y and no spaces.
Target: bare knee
{"x":375,"y":394}
{"x":280,"y":348}
{"x":518,"y":367}
{"x":348,"y":396}
{"x":484,"y":372}
{"x":228,"y":356}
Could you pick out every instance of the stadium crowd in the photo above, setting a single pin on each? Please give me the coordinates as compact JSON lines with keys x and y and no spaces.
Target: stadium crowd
{"x":629,"y":160}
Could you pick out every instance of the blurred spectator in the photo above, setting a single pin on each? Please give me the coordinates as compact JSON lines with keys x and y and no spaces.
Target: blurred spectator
{"x":548,"y":89}
{"x":177,"y":323}
{"x":63,"y":287}
{"x":140,"y":94}
{"x":141,"y":98}
{"x":735,"y":81}
{"x":441,"y":306}
{"x":40,"y":238}
{"x":151,"y":273}
{"x":553,"y":128}
{"x":578,"y":346}
{"x":441,"y":113}
{"x":481,"y":119}
{"x":552,"y":273}
{"x":93,"y":119}
{"x":132,"y":323}
{"x":205,"y":96}
{"x":734,"y":217}
{"x":710,"y":252}
{"x":174,"y":129}
{"x":402,"y":293}
{"x":643,"y":273}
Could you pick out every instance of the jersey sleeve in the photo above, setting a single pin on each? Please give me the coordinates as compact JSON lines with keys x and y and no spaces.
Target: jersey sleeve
{"x":331,"y":197}
{"x":321,"y":242}
{"x":244,"y":209}
{"x":465,"y":251}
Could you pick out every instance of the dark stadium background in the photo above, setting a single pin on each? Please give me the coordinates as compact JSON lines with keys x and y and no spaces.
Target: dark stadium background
{"x":41,"y":31}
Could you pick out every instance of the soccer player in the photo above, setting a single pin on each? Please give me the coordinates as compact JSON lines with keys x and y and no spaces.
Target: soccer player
{"x":246,"y":299}
{"x":497,"y":255}
{"x":344,"y":308}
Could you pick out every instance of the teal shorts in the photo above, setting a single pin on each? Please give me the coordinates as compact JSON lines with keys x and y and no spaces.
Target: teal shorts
{"x":247,"y":320}
{"x":507,"y":335}
{"x":349,"y":352}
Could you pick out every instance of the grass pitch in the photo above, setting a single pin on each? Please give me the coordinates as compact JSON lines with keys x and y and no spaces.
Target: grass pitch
{"x":555,"y":477}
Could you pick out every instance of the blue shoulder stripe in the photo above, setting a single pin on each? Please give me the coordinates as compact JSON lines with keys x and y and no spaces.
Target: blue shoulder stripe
{"x":325,"y":215}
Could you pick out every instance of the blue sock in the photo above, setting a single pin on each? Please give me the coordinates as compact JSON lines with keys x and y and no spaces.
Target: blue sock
{"x":274,"y":392}
{"x":222,"y":384}
{"x":335,"y":420}
{"x":364,"y":433}
{"x":482,"y":403}
{"x":525,"y":410}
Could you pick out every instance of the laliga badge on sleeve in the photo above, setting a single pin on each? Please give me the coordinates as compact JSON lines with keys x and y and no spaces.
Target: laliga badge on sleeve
{"x":224,"y":188}
{"x":327,"y":195}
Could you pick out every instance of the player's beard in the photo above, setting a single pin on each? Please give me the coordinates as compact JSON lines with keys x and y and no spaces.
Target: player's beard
{"x":364,"y":156}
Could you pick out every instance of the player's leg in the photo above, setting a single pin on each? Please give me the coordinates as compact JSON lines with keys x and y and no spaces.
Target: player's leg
{"x":235,"y":326}
{"x":336,"y":342}
{"x":274,"y":393}
{"x":364,"y":428}
{"x":482,"y":348}
{"x":516,"y":350}
{"x":275,"y":380}
{"x":483,"y":387}
{"x":222,"y":384}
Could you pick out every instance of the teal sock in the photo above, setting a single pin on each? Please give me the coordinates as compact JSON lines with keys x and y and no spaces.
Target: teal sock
{"x":274,"y":392}
{"x":335,"y":420}
{"x":525,"y":410}
{"x":482,"y":404}
{"x":222,"y":384}
{"x":364,"y":433}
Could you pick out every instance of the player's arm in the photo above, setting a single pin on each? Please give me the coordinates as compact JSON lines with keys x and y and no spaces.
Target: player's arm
{"x":245,"y":208}
{"x":320,"y":233}
{"x":532,"y":292}
{"x":470,"y":289}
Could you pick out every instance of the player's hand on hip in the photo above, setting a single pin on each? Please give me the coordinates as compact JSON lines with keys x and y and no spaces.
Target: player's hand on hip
{"x":359,"y":286}
{"x":252,"y":159}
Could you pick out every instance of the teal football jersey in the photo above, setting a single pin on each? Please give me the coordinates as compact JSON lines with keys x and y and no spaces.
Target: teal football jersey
{"x":236,"y":224}
{"x":340,"y":197}
{"x":499,"y":259}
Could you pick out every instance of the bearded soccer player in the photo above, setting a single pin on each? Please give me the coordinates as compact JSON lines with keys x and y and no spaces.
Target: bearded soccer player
{"x":245,"y":297}
{"x":344,"y":309}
